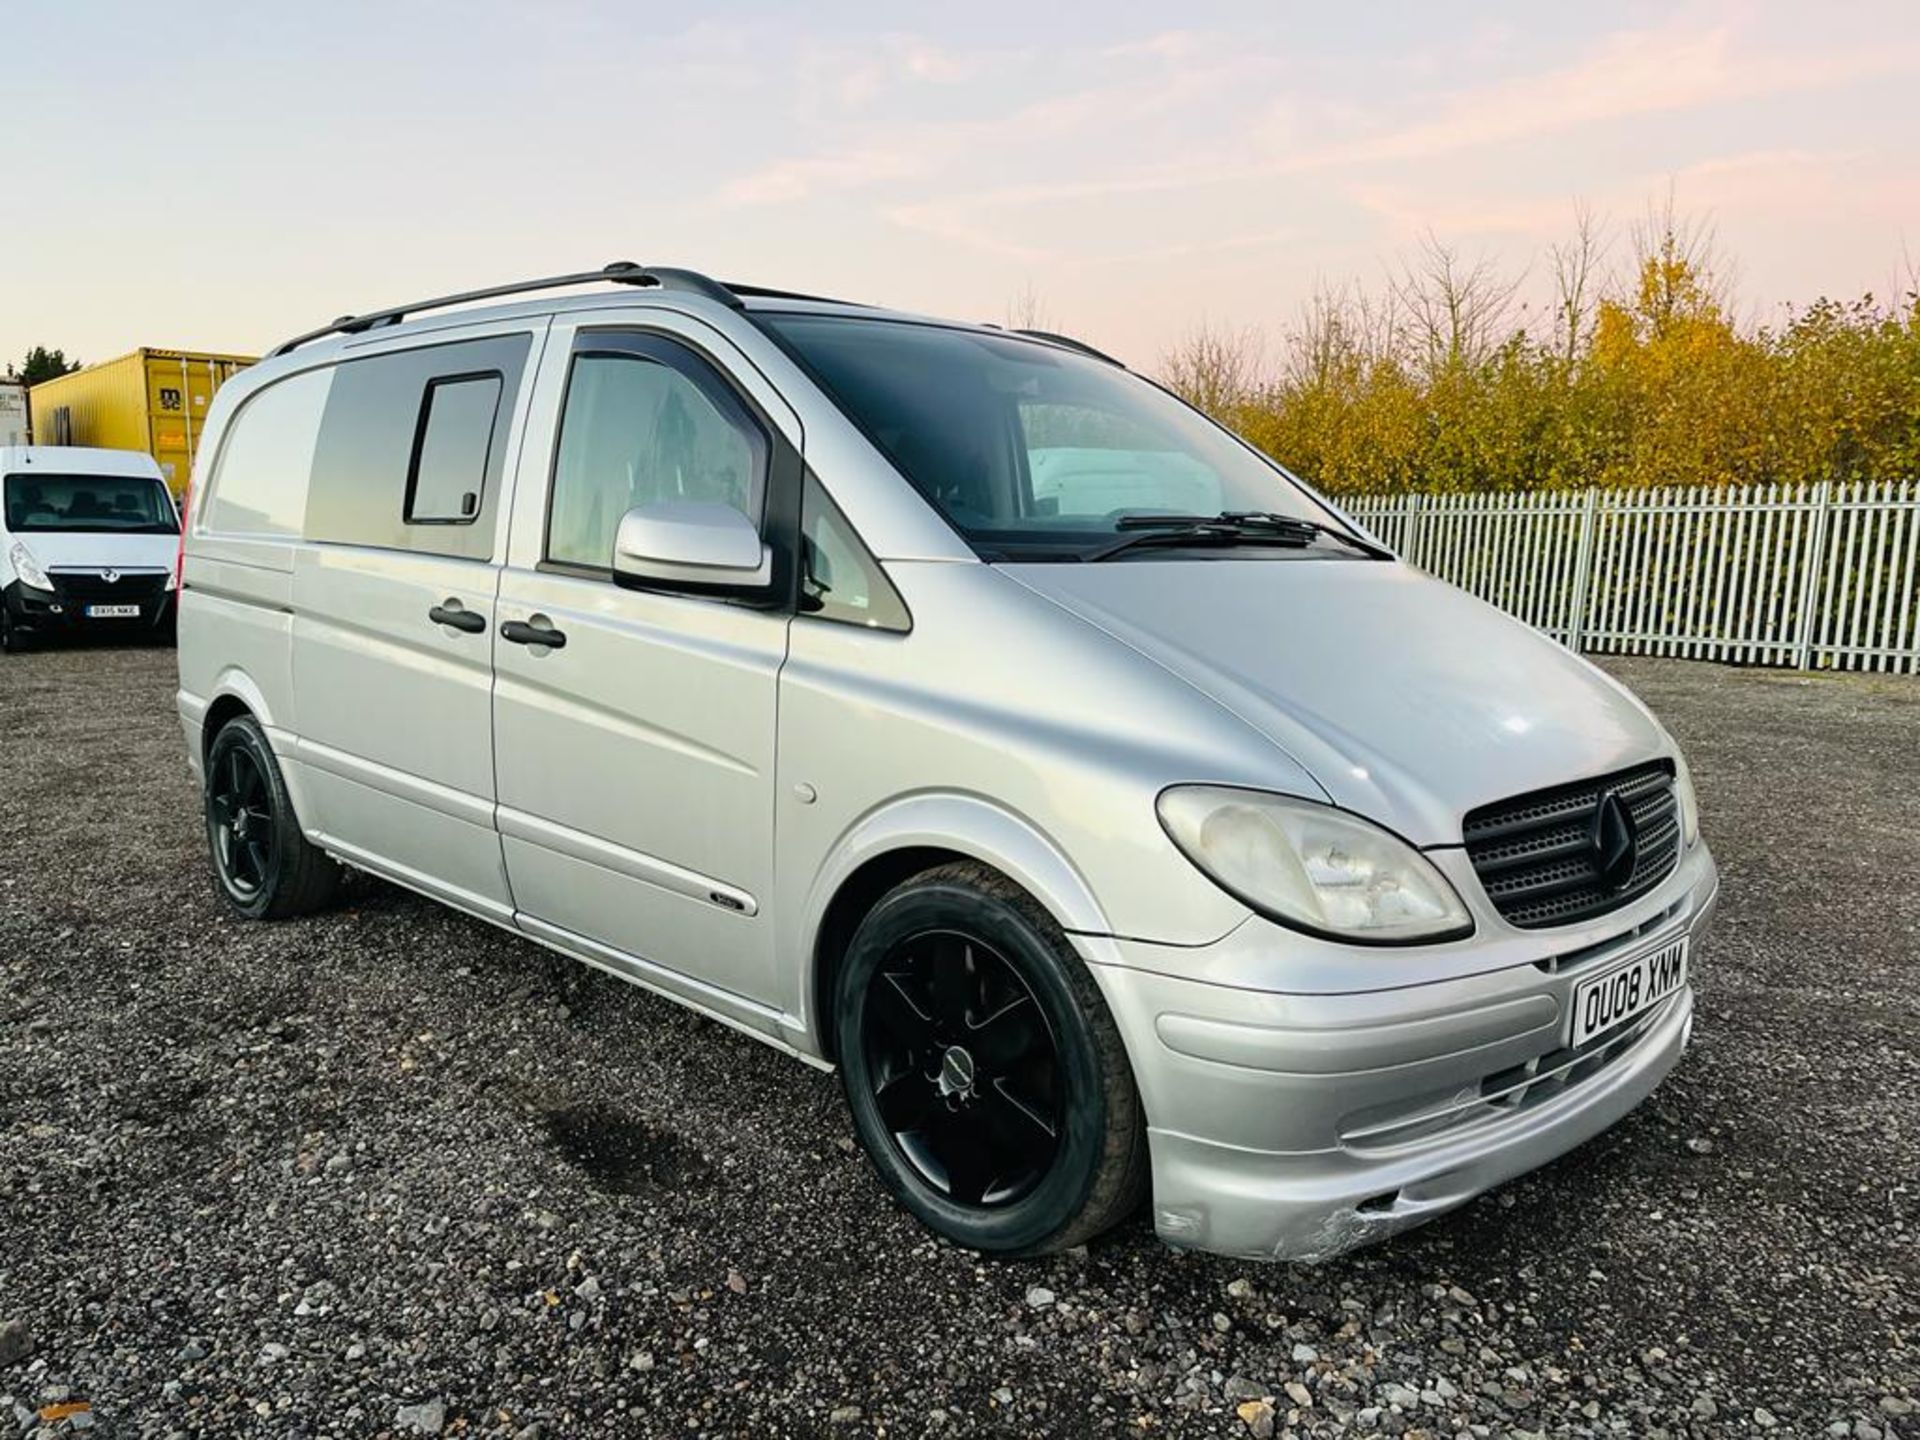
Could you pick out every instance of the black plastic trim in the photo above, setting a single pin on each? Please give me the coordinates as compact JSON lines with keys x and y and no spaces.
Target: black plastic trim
{"x":420,"y":425}
{"x":619,"y":272}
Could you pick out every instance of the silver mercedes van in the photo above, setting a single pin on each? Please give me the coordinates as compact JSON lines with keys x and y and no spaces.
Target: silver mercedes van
{"x":952,"y":707}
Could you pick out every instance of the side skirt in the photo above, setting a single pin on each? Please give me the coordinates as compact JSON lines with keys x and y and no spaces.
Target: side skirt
{"x":762,"y":1022}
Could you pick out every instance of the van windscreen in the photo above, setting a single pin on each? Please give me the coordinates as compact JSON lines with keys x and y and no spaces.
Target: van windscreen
{"x":123,"y":504}
{"x":1030,"y":450}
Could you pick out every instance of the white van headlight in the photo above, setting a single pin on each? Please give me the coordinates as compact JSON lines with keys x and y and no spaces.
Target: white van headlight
{"x":1689,"y":805}
{"x":1311,"y":866}
{"x":28,"y":568}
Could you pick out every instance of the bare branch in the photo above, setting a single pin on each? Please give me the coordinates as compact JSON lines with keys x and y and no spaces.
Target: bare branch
{"x":1679,"y":270}
{"x":1460,"y":312}
{"x":1576,"y":277}
{"x":1215,"y":370}
{"x":1027,"y":311}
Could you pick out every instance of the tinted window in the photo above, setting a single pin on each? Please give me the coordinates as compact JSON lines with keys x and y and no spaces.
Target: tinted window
{"x":123,"y":503}
{"x":1026,"y":448}
{"x":450,"y":457}
{"x":260,"y":479}
{"x":842,"y":581}
{"x":364,"y":463}
{"x":638,"y":430}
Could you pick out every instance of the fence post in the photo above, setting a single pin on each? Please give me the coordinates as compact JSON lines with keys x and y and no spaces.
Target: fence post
{"x":1410,"y":544}
{"x":1583,"y":570}
{"x":1810,"y":583}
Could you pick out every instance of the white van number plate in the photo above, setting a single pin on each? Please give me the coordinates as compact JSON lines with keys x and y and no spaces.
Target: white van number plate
{"x":1627,"y":990}
{"x":113,"y":612}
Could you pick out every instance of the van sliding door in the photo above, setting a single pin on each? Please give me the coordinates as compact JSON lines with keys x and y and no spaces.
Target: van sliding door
{"x":394,"y":598}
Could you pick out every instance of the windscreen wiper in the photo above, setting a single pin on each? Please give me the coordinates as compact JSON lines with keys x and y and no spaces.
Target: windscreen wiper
{"x":1229,"y":527}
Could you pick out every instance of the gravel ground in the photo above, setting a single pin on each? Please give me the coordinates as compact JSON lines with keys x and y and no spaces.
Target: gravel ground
{"x":391,"y":1171}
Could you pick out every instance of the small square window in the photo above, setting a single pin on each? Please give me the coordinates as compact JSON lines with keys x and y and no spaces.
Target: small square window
{"x":450,"y":450}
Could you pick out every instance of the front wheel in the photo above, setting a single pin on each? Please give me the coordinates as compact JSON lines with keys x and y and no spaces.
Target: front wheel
{"x":264,"y":866}
{"x":13,"y":639}
{"x":987,"y":1080}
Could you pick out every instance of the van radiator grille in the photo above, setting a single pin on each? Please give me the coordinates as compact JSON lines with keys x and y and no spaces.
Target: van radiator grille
{"x":90,"y":587}
{"x":1537,"y":856}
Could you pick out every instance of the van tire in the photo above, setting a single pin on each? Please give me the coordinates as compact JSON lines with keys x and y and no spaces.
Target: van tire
{"x":263,"y":866}
{"x":968,"y":921}
{"x":13,"y":639}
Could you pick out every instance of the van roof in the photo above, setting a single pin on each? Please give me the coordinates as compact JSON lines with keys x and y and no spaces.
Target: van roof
{"x":685,"y":285}
{"x":76,"y":460}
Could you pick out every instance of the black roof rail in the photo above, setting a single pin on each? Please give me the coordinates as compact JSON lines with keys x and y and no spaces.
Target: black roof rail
{"x":1071,"y":344}
{"x":620,"y":272}
{"x":767,"y":292}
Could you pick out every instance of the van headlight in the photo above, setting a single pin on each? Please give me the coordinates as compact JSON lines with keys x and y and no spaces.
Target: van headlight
{"x":28,"y":568}
{"x":1311,"y":866}
{"x":1689,"y":805}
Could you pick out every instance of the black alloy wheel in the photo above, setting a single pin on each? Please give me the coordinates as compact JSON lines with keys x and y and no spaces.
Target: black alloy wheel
{"x":240,"y":821}
{"x":963,"y":1068}
{"x":265,"y":867}
{"x":986,"y":1077}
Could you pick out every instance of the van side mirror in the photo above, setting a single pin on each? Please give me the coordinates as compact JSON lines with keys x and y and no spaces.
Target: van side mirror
{"x":690,"y":545}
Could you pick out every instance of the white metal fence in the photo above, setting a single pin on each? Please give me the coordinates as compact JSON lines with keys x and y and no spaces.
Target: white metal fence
{"x":1809,"y":576}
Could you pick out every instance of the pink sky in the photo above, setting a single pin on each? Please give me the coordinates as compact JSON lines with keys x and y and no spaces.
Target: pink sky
{"x":223,"y":184}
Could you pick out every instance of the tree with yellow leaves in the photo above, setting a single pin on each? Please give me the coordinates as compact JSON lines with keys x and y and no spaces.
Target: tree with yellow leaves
{"x":1439,"y":385}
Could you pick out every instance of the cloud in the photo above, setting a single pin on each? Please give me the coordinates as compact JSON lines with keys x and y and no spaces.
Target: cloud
{"x":1175,"y":141}
{"x":1169,"y":45}
{"x":1669,"y":68}
{"x":989,"y":237}
{"x":786,"y":181}
{"x":1181,"y":73}
{"x":1634,"y":73}
{"x":1854,"y":180}
{"x":838,"y":79}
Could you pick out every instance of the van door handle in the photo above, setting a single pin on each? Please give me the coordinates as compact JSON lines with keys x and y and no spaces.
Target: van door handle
{"x":452,"y":612}
{"x":538,"y":632}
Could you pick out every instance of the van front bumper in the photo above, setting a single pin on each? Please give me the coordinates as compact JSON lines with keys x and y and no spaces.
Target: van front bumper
{"x":56,"y":612}
{"x":1295,"y":1126}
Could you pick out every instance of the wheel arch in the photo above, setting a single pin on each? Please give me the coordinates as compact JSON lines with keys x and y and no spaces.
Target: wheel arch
{"x":909,"y":837}
{"x":236,"y":693}
{"x":226,"y":707}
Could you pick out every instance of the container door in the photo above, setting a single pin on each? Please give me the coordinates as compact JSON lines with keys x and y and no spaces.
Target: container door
{"x":179,"y":392}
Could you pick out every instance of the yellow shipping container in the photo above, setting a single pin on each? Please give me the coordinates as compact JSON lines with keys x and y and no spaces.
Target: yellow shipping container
{"x":151,"y":400}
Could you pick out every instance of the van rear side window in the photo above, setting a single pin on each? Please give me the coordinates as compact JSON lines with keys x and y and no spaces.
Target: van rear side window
{"x":408,"y":436}
{"x":450,"y":451}
{"x":260,"y":480}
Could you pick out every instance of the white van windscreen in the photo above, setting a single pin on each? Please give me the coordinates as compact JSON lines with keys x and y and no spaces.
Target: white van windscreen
{"x":100,"y":504}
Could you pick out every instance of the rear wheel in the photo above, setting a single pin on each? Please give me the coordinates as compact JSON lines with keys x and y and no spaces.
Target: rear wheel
{"x":265,"y":867}
{"x":986,"y":1078}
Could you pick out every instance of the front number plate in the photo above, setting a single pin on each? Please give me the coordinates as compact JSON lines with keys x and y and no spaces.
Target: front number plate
{"x":113,"y":612}
{"x":1627,"y":990}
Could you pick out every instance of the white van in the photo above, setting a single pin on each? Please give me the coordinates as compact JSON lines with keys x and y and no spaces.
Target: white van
{"x":88,"y":543}
{"x":955,"y":708}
